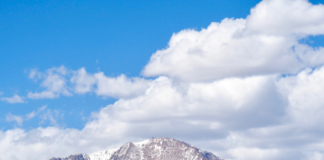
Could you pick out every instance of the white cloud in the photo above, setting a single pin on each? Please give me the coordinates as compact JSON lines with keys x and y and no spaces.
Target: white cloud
{"x":42,"y":95}
{"x":166,"y":109}
{"x":83,"y":81}
{"x":43,"y":113}
{"x":51,"y":117}
{"x":255,"y":153}
{"x":1,"y":93}
{"x":14,"y":99}
{"x":315,"y":156}
{"x":264,"y":43}
{"x":33,"y":113}
{"x":54,"y":83}
{"x":284,"y":17}
{"x":238,"y":118}
{"x":120,"y":87}
{"x":35,"y":74}
{"x":117,"y":87}
{"x":305,"y":99}
{"x":18,"y":119}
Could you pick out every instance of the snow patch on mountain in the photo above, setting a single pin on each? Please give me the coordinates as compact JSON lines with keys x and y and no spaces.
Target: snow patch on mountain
{"x":102,"y":155}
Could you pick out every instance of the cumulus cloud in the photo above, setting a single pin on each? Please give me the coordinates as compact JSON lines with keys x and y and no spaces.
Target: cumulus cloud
{"x":83,"y":81}
{"x":304,"y":96}
{"x":14,"y":99}
{"x":116,"y":87}
{"x":63,"y":81}
{"x":171,"y":109}
{"x":54,"y":83}
{"x":285,"y":17}
{"x":267,"y":42}
{"x":120,"y":87}
{"x":220,"y":89}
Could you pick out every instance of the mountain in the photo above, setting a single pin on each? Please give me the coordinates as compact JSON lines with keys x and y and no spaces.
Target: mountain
{"x":152,"y":149}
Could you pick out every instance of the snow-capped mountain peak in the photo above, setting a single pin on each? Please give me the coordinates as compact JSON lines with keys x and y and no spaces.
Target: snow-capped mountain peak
{"x":152,"y":149}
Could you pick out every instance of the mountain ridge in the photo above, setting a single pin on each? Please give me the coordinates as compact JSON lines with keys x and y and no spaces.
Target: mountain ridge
{"x":151,"y":149}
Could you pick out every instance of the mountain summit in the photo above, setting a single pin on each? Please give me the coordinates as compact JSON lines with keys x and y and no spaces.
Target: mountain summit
{"x":152,"y":149}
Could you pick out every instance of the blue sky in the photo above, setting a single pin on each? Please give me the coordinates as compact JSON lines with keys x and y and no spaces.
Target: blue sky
{"x":115,"y":37}
{"x":240,"y":78}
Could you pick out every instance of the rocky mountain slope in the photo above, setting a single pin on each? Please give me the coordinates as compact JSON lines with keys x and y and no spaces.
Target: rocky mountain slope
{"x":152,"y":149}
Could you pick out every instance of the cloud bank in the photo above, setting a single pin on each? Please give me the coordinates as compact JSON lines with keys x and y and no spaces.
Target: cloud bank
{"x":246,"y":89}
{"x":267,"y":42}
